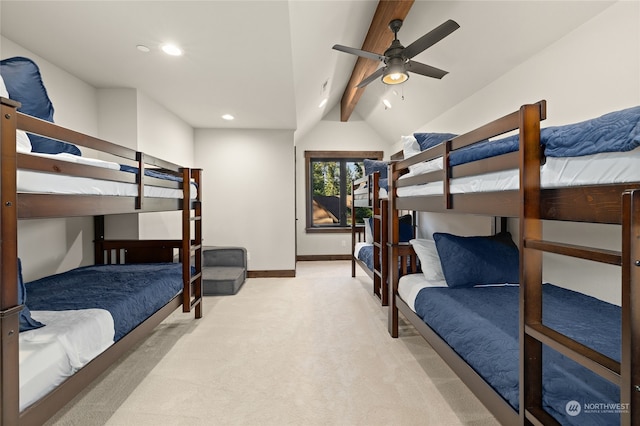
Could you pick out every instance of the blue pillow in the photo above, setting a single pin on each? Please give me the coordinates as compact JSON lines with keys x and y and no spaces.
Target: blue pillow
{"x":26,"y":321}
{"x":617,"y":131}
{"x":371,"y":166}
{"x":405,"y":225}
{"x":471,"y":261}
{"x":428,"y":140}
{"x":24,"y":84}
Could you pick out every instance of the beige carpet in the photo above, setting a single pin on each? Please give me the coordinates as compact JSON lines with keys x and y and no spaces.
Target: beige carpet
{"x":310,"y":350}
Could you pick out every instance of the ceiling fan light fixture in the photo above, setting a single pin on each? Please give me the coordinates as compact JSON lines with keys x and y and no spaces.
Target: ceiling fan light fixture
{"x":395,"y":72}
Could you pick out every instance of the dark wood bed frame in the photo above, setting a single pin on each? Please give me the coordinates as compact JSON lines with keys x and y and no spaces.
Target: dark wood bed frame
{"x":379,"y":209}
{"x":612,"y":204}
{"x":380,"y":231}
{"x":16,"y":206}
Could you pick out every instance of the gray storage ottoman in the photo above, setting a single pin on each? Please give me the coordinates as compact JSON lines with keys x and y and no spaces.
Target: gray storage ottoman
{"x":224,"y":270}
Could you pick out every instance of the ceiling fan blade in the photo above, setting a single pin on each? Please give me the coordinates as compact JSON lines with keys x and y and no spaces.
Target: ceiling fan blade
{"x":430,"y":38}
{"x":359,"y":52}
{"x":424,"y":69}
{"x":372,"y":77}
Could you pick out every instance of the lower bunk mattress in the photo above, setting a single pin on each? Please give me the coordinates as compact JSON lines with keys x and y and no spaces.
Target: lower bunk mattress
{"x":481,"y":325}
{"x":84,"y":311}
{"x":364,"y":253}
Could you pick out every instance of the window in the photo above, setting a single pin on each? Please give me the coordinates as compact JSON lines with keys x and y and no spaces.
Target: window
{"x":329,"y":175}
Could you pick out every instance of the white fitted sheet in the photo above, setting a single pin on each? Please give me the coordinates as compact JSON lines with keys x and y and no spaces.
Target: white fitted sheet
{"x":358,"y":247}
{"x":603,"y":168}
{"x":38,"y":182}
{"x":67,"y":342}
{"x":410,"y":285}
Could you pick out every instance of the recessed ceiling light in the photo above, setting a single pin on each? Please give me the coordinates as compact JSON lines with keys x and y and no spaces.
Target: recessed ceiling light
{"x":171,"y":49}
{"x":228,"y":117}
{"x":143,"y":48}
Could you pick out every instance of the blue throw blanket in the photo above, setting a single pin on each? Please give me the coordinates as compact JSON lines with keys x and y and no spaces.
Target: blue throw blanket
{"x":131,"y":293}
{"x":366,"y":255}
{"x":617,"y":131}
{"x":481,"y":325}
{"x":151,"y":173}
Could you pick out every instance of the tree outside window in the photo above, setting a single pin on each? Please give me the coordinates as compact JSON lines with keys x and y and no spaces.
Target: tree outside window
{"x":329,"y":177}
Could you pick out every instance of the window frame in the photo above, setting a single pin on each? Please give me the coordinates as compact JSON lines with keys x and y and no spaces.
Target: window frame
{"x":310,"y":156}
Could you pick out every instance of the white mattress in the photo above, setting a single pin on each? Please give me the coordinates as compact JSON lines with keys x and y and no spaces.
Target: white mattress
{"x":38,"y":182}
{"x":382,"y":192}
{"x":410,"y":285}
{"x":603,"y":168}
{"x":68,"y":341}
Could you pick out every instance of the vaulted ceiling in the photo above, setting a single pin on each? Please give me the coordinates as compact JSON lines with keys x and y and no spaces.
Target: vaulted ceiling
{"x":270,"y":62}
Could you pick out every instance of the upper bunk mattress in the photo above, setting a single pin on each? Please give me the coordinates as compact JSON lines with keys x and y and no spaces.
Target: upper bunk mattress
{"x":38,"y":182}
{"x":595,"y":169}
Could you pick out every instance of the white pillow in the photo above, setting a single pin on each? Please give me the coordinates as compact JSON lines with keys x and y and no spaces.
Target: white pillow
{"x":410,"y":146}
{"x":429,"y":259}
{"x":23,"y":144}
{"x":368,"y":233}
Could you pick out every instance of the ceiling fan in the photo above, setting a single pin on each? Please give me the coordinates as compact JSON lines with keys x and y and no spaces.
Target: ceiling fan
{"x":397,"y":58}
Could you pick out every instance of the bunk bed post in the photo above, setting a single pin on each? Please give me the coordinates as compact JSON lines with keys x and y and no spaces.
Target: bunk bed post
{"x":98,"y":240}
{"x":530,"y":264}
{"x":630,"y":362}
{"x":353,"y":229}
{"x":9,"y":308}
{"x":393,"y":240}
{"x":374,"y":182}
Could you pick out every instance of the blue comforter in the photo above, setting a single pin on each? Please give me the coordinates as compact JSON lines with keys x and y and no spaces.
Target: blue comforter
{"x":481,"y":325}
{"x":151,"y":173}
{"x":617,"y":131}
{"x":366,"y":255}
{"x":131,"y":293}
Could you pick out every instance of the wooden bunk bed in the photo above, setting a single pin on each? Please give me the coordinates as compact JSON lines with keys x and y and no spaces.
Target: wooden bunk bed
{"x":535,"y":341}
{"x":369,"y":193}
{"x":369,"y":255}
{"x":184,"y":194}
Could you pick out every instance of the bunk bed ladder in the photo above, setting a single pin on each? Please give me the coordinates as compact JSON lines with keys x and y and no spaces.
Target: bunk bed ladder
{"x":192,"y":292}
{"x":376,"y":224}
{"x":533,"y":333}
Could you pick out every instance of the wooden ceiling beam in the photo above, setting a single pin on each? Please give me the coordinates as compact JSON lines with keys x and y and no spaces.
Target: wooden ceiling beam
{"x":378,"y":40}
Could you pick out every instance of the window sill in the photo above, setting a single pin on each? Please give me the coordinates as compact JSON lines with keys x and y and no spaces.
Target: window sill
{"x":332,"y":230}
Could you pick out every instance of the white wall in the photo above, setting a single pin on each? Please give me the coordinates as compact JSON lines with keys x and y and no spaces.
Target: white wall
{"x":248,"y":193}
{"x":592,"y":71}
{"x":164,"y":135}
{"x":55,"y":245}
{"x":330,"y":134}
